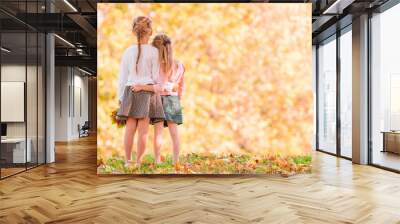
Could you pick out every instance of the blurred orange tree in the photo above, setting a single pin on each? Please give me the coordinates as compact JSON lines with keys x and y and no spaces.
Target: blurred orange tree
{"x":248,"y":75}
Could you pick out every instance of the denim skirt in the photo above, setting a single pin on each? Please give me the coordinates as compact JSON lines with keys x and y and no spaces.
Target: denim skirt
{"x":172,"y":110}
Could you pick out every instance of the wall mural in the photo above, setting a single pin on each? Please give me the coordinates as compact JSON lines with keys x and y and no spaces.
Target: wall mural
{"x":204,"y":88}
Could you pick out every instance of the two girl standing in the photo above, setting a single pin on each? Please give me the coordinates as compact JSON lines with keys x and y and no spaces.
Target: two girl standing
{"x":150,"y":88}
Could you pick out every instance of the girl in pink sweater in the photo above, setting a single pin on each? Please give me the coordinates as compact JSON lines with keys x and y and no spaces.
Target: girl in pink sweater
{"x":170,"y":88}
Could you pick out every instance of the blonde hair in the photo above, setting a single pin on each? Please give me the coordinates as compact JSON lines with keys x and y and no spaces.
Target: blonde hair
{"x":163,"y":43}
{"x":141,"y":27}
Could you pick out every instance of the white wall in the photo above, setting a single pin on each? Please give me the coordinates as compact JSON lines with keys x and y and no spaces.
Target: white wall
{"x":70,"y":84}
{"x":61,"y":103}
{"x":17,"y":73}
{"x":80,"y":94}
{"x":14,"y":73}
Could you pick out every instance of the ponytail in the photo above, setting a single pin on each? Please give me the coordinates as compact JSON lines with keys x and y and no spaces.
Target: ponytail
{"x":139,"y":51}
{"x":141,"y":27}
{"x":163,"y":43}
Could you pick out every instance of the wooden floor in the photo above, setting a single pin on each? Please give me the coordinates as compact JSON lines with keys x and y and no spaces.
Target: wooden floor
{"x":10,"y":171}
{"x":70,"y":192}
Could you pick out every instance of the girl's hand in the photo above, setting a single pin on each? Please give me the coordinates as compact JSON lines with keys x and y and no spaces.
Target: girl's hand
{"x":169,"y":86}
{"x":175,"y":87}
{"x":136,"y":88}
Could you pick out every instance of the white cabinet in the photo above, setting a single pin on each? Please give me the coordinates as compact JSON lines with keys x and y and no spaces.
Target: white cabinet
{"x":18,"y":149}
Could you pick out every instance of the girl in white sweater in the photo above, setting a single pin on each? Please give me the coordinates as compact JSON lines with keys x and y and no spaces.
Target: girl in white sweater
{"x":138,"y":79}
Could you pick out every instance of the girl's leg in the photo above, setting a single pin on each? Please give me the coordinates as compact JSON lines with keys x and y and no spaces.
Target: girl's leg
{"x":143,"y":129}
{"x":173,"y":131}
{"x":158,"y":127}
{"x":130,"y":130}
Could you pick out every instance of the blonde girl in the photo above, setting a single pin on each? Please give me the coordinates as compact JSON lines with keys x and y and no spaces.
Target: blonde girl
{"x":170,"y":88}
{"x":139,"y":73}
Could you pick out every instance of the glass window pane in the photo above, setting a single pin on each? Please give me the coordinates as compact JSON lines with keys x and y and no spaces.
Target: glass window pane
{"x":314,"y":73}
{"x":327,"y":96}
{"x":346,"y":94}
{"x":41,"y":98}
{"x":22,"y":87}
{"x":32,"y":86}
{"x":14,"y":153}
{"x":386,"y":89}
{"x":31,"y":97}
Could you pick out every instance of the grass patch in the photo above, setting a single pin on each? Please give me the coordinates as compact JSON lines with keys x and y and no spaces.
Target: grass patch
{"x":206,"y":163}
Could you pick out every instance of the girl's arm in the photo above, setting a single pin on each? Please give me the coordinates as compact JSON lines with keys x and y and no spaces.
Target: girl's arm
{"x":155,"y":71}
{"x":149,"y":88}
{"x":123,"y":76}
{"x":181,"y":84}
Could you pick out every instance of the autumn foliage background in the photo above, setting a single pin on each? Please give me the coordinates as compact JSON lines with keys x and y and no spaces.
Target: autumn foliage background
{"x":248,"y":75}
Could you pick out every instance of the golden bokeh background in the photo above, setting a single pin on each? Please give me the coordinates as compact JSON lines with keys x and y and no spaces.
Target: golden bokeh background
{"x":248,"y":75}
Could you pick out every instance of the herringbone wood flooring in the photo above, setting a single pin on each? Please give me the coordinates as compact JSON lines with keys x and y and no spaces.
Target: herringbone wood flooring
{"x":70,"y":192}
